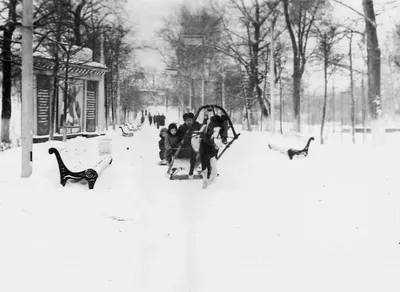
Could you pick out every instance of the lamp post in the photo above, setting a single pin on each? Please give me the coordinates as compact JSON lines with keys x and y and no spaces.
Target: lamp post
{"x":27,"y":88}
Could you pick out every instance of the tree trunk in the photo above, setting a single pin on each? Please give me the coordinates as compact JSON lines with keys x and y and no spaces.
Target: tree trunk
{"x":296,"y":100}
{"x":374,"y":61}
{"x":364,"y":108}
{"x":77,"y":23}
{"x":106,"y":112}
{"x":325,"y":96}
{"x":6,"y":59}
{"x":333,"y":105}
{"x":281,"y":104}
{"x":111,"y":79}
{"x":54,"y":97}
{"x":65,"y":98}
{"x":6,"y":86}
{"x":353,"y":102}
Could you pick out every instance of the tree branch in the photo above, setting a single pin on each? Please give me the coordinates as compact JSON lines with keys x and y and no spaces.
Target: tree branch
{"x":359,"y":13}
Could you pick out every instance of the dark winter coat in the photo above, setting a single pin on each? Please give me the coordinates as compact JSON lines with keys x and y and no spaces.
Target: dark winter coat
{"x":161,"y":144}
{"x":161,"y":120}
{"x":171,"y":141}
{"x":207,"y":143}
{"x":185,"y":133}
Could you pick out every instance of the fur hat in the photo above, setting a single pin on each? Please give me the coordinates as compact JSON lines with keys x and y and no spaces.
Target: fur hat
{"x":216,"y":121}
{"x":172,"y":126}
{"x":162,"y":131}
{"x":188,"y":116}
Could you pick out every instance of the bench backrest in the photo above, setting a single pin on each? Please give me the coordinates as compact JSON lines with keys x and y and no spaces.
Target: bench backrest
{"x":80,"y":155}
{"x":296,"y":136}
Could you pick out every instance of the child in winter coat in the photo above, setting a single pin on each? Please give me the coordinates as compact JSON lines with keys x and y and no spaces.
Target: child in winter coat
{"x":161,"y":145}
{"x":171,"y":141}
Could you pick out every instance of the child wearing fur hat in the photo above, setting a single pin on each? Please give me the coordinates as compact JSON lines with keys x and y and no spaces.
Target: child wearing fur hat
{"x":161,"y":145}
{"x":171,"y":141}
{"x":185,"y":132}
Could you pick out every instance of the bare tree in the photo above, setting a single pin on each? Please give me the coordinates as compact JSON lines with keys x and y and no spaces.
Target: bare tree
{"x":374,"y":60}
{"x":192,"y":61}
{"x":396,"y":38}
{"x":6,"y":56}
{"x":300,"y":17}
{"x":328,"y":35}
{"x":117,"y":52}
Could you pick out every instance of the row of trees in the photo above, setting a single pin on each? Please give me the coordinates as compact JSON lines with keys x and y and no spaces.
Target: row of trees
{"x":238,"y":37}
{"x":61,"y":29}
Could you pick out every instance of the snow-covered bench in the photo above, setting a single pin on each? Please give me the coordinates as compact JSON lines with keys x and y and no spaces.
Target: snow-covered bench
{"x":84,"y":164}
{"x":126,"y":134}
{"x":291,"y":144}
{"x":131,"y":128}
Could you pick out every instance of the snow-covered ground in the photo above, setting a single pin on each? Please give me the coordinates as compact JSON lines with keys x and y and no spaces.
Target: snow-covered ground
{"x":329,"y":222}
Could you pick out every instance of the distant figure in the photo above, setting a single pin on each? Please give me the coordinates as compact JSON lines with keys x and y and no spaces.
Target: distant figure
{"x":157,"y":120}
{"x":150,"y":119}
{"x":162,"y":120}
{"x":205,"y":120}
{"x":142,"y":119}
{"x":145,"y":112}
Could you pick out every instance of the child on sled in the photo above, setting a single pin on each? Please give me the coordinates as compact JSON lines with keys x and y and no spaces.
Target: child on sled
{"x":161,"y":146}
{"x":171,"y":141}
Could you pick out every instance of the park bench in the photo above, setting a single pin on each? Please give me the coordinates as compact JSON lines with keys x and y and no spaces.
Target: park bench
{"x":292,"y":144}
{"x":131,"y":128}
{"x":82,"y":164}
{"x":125,"y":134}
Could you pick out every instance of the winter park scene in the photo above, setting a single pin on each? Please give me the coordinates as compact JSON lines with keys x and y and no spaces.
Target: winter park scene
{"x":202,"y":146}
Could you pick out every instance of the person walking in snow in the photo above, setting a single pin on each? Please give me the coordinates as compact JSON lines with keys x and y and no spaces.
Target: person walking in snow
{"x":150,"y":119}
{"x":162,"y":120}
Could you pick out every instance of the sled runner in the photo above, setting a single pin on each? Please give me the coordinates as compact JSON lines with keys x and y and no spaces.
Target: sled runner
{"x":179,"y":167}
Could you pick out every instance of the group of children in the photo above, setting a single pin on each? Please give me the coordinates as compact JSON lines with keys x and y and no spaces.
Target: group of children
{"x":206,"y":148}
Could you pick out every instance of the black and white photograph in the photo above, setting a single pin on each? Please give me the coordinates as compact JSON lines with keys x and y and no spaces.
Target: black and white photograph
{"x":199,"y":145}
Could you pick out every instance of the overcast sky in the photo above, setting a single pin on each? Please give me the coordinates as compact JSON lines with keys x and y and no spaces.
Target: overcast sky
{"x":148,"y":15}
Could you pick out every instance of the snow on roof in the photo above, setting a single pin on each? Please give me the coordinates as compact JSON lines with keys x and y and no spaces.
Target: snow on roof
{"x":77,"y":60}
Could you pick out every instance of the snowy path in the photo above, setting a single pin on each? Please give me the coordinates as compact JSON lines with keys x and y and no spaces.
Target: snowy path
{"x":323,"y":223}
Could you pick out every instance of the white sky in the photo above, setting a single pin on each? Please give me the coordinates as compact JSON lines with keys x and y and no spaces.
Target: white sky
{"x":148,"y":15}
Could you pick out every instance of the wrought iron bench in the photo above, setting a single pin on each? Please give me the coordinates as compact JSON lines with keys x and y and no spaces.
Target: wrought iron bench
{"x":292,"y":144}
{"x":125,"y":134}
{"x":90,"y":174}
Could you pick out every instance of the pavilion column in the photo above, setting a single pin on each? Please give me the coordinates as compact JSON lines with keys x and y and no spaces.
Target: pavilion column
{"x":100,"y":106}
